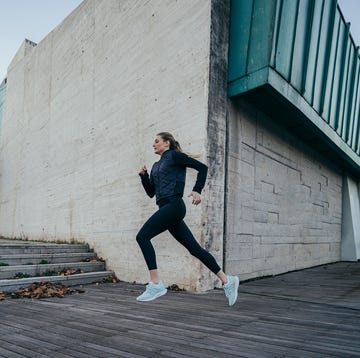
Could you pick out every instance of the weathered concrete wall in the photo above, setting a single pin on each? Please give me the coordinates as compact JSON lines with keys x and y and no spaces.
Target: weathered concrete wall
{"x":213,"y":206}
{"x":82,"y":110}
{"x":284,"y":204}
{"x":350,"y":233}
{"x":2,"y":100}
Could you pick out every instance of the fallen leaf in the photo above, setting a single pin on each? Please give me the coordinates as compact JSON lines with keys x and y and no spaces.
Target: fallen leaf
{"x":42,"y":290}
{"x":108,"y":279}
{"x":175,"y":287}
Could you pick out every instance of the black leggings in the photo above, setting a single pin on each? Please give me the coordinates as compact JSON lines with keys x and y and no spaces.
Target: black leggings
{"x":170,"y":217}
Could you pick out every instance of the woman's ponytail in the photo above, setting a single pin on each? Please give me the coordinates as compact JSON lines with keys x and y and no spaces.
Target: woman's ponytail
{"x":177,"y":146}
{"x":174,"y":144}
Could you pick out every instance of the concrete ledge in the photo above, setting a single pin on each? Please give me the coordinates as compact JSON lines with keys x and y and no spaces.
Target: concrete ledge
{"x":24,"y":259}
{"x":73,"y":280}
{"x":8,"y":272}
{"x":38,"y":248}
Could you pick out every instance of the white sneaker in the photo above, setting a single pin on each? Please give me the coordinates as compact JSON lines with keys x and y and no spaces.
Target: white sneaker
{"x":231,"y":289}
{"x":152,"y":292}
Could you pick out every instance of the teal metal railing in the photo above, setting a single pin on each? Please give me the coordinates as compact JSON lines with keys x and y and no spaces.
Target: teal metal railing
{"x":302,"y":48}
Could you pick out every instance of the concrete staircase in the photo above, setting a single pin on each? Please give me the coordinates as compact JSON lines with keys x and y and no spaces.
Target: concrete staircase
{"x":25,"y":262}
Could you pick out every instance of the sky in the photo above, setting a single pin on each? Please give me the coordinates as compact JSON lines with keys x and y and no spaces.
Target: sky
{"x":34,"y":19}
{"x":351,"y":12}
{"x":28,"y":19}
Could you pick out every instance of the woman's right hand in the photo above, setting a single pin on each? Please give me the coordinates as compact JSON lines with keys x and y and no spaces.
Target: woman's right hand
{"x":143,"y":170}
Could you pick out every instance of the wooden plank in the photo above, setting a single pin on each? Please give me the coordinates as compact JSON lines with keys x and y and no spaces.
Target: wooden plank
{"x":8,"y":353}
{"x":313,"y":313}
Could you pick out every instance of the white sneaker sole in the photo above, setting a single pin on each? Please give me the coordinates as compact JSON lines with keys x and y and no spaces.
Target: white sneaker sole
{"x":237,"y":282}
{"x":159,"y":294}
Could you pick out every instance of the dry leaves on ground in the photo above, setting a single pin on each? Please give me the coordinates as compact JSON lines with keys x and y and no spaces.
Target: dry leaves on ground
{"x":175,"y":287}
{"x":41,"y":290}
{"x":109,"y":279}
{"x":93,"y":259}
{"x":69,"y":271}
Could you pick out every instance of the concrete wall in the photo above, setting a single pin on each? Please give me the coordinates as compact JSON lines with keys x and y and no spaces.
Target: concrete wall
{"x":284,"y":203}
{"x":83,"y":107}
{"x":213,"y":205}
{"x":2,"y":100}
{"x":350,"y":234}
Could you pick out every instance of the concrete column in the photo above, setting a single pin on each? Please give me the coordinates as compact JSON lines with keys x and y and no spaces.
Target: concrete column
{"x":350,"y":235}
{"x":213,"y":205}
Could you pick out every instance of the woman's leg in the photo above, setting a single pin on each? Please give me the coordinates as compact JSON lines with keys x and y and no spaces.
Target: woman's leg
{"x":230,"y":283}
{"x":156,"y":224}
{"x":153,"y":227}
{"x":154,"y":276}
{"x":159,"y":222}
{"x":222,"y":276}
{"x":182,"y":234}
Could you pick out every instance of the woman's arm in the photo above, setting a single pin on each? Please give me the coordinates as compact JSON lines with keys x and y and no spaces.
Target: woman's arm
{"x":184,"y":160}
{"x":146,"y":182}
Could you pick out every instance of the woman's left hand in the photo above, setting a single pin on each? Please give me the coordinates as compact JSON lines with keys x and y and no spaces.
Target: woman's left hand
{"x":196,"y":197}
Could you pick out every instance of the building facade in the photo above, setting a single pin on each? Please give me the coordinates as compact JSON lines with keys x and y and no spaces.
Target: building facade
{"x":293,"y":136}
{"x":83,"y":107}
{"x":2,"y":98}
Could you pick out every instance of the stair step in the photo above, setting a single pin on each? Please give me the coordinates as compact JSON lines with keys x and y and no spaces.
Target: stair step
{"x":39,"y":248}
{"x":25,"y":256}
{"x":25,"y":259}
{"x":71,"y":280}
{"x":8,"y":272}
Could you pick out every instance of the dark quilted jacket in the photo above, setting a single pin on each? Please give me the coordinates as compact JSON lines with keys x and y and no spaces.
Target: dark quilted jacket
{"x":167,"y":177}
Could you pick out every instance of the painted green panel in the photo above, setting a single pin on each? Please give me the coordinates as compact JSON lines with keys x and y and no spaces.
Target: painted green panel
{"x":240,"y":25}
{"x":286,"y":37}
{"x":337,"y":73}
{"x":301,"y":44}
{"x":322,"y":56}
{"x":247,"y":83}
{"x":261,"y":35}
{"x":330,"y":8}
{"x":355,"y":106}
{"x":328,"y":104}
{"x":349,"y":88}
{"x":344,"y":66}
{"x":313,"y":52}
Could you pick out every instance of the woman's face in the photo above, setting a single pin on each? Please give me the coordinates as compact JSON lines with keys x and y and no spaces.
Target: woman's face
{"x":160,"y":146}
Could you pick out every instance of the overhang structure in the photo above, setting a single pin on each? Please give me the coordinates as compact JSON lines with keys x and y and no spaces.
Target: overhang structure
{"x":299,"y":57}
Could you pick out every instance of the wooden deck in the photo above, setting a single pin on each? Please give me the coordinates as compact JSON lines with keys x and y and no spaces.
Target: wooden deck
{"x":310,"y":313}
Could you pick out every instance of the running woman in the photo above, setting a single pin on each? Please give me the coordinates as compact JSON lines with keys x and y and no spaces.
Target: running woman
{"x":166,"y":182}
